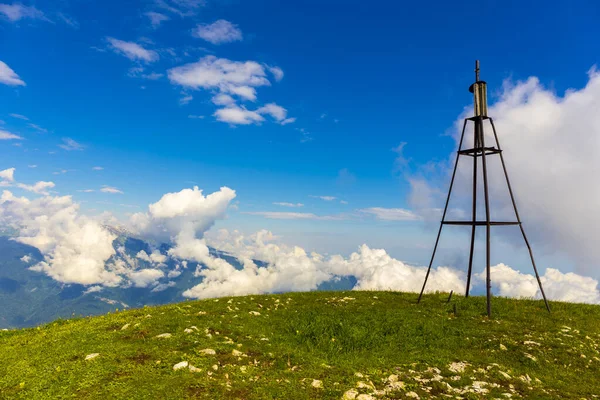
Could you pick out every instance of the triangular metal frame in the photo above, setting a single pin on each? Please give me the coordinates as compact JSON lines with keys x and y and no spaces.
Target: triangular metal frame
{"x":479,"y":150}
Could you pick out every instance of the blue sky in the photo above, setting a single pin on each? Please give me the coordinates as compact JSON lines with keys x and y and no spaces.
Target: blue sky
{"x":359,"y":79}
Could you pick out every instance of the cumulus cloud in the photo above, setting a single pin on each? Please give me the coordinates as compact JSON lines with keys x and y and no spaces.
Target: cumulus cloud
{"x":212,"y":73}
{"x":550,"y":148}
{"x":70,"y":145}
{"x":75,"y":248}
{"x":219,"y":32}
{"x":8,"y":175}
{"x":182,"y":218}
{"x":6,"y":135}
{"x":9,"y":77}
{"x":390,"y":214}
{"x":132,"y":50}
{"x":293,"y":269}
{"x":559,"y":286}
{"x":238,"y":115}
{"x":156,"y":18}
{"x":230,"y":81}
{"x":16,"y":11}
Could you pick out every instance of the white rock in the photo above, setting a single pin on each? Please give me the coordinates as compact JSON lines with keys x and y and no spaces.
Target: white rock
{"x":188,"y":330}
{"x":164,"y":336}
{"x":254,"y":313}
{"x":413,"y":395}
{"x":194,"y":369}
{"x":503,"y":347}
{"x":365,"y":397}
{"x":350,"y":394}
{"x":531,"y":342}
{"x":208,"y":352}
{"x":457,"y":366}
{"x":92,"y":356}
{"x":125,"y":327}
{"x":238,"y":353}
{"x":183,"y":364}
{"x":317,"y":384}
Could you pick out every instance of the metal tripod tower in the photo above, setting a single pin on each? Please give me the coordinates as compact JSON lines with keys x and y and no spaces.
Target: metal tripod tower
{"x":480,"y":151}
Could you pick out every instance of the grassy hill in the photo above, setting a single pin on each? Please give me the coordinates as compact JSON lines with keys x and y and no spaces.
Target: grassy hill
{"x":318,"y":345}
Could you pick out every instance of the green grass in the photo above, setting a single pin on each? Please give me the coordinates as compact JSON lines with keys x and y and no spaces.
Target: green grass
{"x":364,"y":345}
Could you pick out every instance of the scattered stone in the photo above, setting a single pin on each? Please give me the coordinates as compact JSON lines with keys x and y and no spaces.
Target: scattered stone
{"x":124,"y":327}
{"x":365,"y":397}
{"x":457,"y":366}
{"x":208,"y":352}
{"x":504,"y":374}
{"x":181,"y":365}
{"x":254,"y":313}
{"x":92,"y":356}
{"x":531,"y":342}
{"x":238,"y":353}
{"x":413,"y":395}
{"x":163,"y":336}
{"x":317,"y":384}
{"x":194,"y":369}
{"x":503,"y":347}
{"x":350,"y":394}
{"x":359,"y":375}
{"x":215,"y":367}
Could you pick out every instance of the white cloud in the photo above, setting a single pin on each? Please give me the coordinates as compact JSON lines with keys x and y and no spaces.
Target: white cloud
{"x":132,"y":50}
{"x":8,"y":175}
{"x":5,"y":135}
{"x":277,"y":72}
{"x":26,"y":259}
{"x":93,"y":289}
{"x":156,"y":18}
{"x":222,"y":99}
{"x":15,"y":12}
{"x":38,"y":128}
{"x":9,"y":77}
{"x":138,"y":72}
{"x":110,"y":189}
{"x":183,"y":8}
{"x":182,"y":218}
{"x":390,"y":214}
{"x":558,"y":286}
{"x":295,"y":215}
{"x":70,"y":145}
{"x":218,"y":32}
{"x":86,"y":190}
{"x":277,"y":112}
{"x":155,"y":257}
{"x":284,"y":204}
{"x":292,"y":269}
{"x":186,"y":99}
{"x":32,"y":166}
{"x":221,"y":74}
{"x":195,"y":116}
{"x":75,"y":248}
{"x":40,"y":187}
{"x":551,"y":152}
{"x":97,"y":168}
{"x":238,"y":115}
{"x":19,"y":116}
{"x":326,"y":198}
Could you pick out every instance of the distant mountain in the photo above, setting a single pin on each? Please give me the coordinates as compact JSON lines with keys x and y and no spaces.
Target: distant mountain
{"x":29,"y":298}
